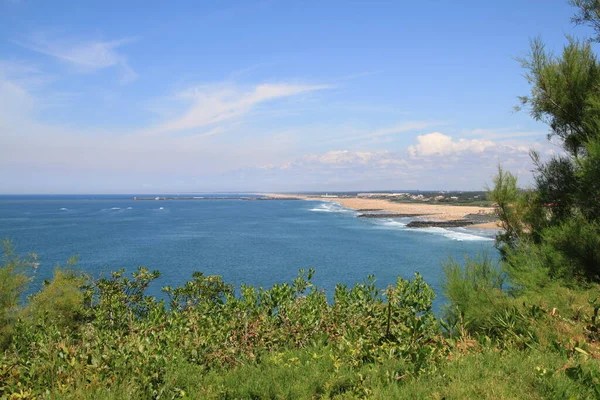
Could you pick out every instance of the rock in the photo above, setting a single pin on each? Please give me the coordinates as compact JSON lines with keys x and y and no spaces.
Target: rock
{"x":456,"y":223}
{"x":388,"y":215}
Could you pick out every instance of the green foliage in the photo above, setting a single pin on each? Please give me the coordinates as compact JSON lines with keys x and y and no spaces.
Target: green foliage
{"x":564,"y":92}
{"x":553,"y":232}
{"x":526,"y":266}
{"x":202,"y":291}
{"x":475,"y":294}
{"x":13,"y":282}
{"x":556,"y":188}
{"x":588,"y":180}
{"x":60,"y":301}
{"x":84,"y":335}
{"x":505,"y":195}
{"x":572,"y":249}
{"x":85,"y":338}
{"x":116,"y":302}
{"x":588,"y":14}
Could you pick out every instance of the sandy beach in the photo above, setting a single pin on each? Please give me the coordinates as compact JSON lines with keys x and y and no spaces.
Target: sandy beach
{"x":439,"y":212}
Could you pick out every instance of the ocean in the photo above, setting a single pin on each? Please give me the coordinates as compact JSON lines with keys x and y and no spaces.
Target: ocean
{"x":254,"y":242}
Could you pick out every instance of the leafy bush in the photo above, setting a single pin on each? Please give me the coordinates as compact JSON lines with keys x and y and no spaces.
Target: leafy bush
{"x":80,"y":333}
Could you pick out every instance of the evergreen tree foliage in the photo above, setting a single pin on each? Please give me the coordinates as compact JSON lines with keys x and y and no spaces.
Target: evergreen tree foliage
{"x":559,"y":221}
{"x":564,"y":92}
{"x":13,"y":282}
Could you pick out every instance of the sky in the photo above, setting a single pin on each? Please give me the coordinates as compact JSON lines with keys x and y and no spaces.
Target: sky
{"x":264,"y":96}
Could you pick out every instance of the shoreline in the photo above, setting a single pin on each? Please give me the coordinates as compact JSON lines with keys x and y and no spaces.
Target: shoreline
{"x":430,"y":212}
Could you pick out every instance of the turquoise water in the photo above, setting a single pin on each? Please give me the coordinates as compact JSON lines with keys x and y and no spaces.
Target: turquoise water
{"x":253,"y":242}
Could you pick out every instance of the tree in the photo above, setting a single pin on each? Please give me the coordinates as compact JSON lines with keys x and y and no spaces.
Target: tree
{"x":565,"y":92}
{"x":588,"y":14}
{"x":504,"y":194}
{"x":13,"y":282}
{"x":557,"y":227}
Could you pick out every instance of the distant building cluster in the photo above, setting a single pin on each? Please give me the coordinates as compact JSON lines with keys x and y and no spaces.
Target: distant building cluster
{"x":384,"y":194}
{"x":407,"y":196}
{"x":433,"y":196}
{"x":411,"y":196}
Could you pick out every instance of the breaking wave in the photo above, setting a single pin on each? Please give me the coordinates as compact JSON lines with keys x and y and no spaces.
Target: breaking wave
{"x":332,"y":207}
{"x":459,"y":234}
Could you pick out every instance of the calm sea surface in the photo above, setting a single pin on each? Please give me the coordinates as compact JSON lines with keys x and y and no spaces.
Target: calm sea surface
{"x":253,"y":242}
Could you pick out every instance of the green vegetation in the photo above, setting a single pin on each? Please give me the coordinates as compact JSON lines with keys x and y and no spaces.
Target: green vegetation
{"x":525,"y":327}
{"x":81,"y":337}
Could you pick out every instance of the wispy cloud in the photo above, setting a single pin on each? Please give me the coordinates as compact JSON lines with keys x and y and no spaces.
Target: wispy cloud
{"x":25,"y":74}
{"x":408,"y":126}
{"x":16,"y":101}
{"x":87,"y":55}
{"x":504,"y":133}
{"x":29,"y":144}
{"x":209,"y":105}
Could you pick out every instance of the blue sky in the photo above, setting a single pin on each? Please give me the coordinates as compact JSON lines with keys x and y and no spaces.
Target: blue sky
{"x":156,"y":96}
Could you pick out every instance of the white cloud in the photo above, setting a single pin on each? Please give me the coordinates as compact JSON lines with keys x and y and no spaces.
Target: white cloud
{"x":85,"y":55}
{"x":437,"y":143}
{"x":214,"y":104}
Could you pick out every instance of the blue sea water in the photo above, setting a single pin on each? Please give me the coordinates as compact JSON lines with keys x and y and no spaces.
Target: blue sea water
{"x":254,"y":242}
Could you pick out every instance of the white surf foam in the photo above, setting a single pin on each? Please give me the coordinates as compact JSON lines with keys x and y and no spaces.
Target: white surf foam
{"x":129,"y":208}
{"x":392,"y":223}
{"x":454,"y":235}
{"x":332,"y":208}
{"x":459,"y":234}
{"x":64,"y":209}
{"x":161,"y":208}
{"x":115,"y":208}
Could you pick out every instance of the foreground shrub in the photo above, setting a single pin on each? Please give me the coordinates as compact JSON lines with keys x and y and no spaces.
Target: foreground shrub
{"x":82,"y":334}
{"x":60,"y":302}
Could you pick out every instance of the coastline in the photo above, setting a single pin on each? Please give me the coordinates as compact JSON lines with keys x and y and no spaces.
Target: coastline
{"x":439,"y":212}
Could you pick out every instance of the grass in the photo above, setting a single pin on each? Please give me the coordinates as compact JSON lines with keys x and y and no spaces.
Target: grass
{"x":483,"y":373}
